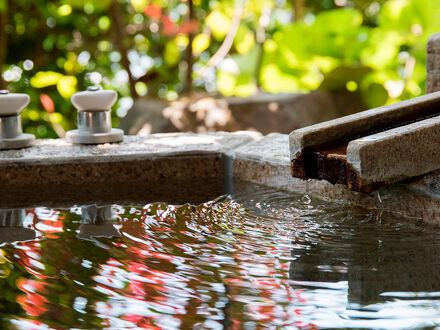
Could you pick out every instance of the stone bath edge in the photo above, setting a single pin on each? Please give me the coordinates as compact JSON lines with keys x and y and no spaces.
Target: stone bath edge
{"x":247,"y":156}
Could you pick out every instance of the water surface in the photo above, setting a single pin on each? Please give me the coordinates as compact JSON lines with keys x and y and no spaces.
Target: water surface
{"x":255,"y":259}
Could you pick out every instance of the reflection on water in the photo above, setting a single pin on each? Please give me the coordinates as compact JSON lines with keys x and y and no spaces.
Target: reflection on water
{"x":12,"y":226}
{"x":258,"y":258}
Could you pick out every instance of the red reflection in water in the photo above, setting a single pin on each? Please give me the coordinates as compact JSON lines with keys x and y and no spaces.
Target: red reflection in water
{"x":183,"y":265}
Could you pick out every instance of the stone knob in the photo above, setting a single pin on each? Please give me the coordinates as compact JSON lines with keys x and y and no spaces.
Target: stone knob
{"x":94,"y":99}
{"x":12,"y":103}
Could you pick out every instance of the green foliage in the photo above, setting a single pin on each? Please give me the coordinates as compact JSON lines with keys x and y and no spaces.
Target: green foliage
{"x":383,"y":57}
{"x":56,"y":48}
{"x":3,"y":5}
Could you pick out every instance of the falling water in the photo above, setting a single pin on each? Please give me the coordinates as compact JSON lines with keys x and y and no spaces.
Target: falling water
{"x":379,"y":206}
{"x":306,"y":199}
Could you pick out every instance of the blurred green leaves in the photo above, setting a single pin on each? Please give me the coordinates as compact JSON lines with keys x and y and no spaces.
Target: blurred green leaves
{"x":44,"y":79}
{"x":218,"y":23}
{"x":237,"y":76}
{"x":200,"y":43}
{"x":375,"y":48}
{"x":89,"y":5}
{"x":339,"y":50}
{"x":3,"y":5}
{"x":66,"y":85}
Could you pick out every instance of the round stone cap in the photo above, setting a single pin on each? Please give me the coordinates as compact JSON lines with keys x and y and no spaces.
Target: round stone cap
{"x":12,"y":103}
{"x":94,"y":99}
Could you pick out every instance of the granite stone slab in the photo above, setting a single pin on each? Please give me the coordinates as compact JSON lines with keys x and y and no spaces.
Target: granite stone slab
{"x":58,"y":151}
{"x":162,"y":158}
{"x":266,"y":161}
{"x":397,"y":154}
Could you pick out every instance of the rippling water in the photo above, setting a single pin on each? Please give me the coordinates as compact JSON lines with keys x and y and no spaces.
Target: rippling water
{"x":259,"y":258}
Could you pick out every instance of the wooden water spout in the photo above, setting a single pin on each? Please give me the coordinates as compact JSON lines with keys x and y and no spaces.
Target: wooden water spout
{"x":372,"y":148}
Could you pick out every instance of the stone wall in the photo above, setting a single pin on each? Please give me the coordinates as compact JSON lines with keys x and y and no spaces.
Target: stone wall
{"x":263,"y":112}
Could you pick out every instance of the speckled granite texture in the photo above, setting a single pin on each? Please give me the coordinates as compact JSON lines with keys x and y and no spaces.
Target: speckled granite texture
{"x":51,"y":152}
{"x":175,"y":168}
{"x":140,"y":159}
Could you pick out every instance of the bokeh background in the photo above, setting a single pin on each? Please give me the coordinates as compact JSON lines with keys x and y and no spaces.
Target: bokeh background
{"x":157,"y":49}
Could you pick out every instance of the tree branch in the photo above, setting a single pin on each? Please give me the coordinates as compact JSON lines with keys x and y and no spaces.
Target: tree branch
{"x":298,"y":10}
{"x":189,"y":53}
{"x":229,"y":39}
{"x":119,"y":29}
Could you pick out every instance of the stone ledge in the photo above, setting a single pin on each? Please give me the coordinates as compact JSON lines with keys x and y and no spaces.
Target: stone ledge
{"x":262,"y":112}
{"x":52,"y":152}
{"x":271,"y":149}
{"x":54,"y":170}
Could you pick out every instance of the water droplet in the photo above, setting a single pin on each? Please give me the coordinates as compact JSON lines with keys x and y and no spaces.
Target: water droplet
{"x":306,"y":200}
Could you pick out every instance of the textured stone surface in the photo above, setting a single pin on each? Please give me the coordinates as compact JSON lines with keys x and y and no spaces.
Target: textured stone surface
{"x":433,"y":44}
{"x":432,"y":83}
{"x":51,"y":152}
{"x":403,"y":149}
{"x":171,"y":167}
{"x":397,"y":154}
{"x":267,"y":161}
{"x":135,"y":171}
{"x":194,"y":190}
{"x":433,"y":62}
